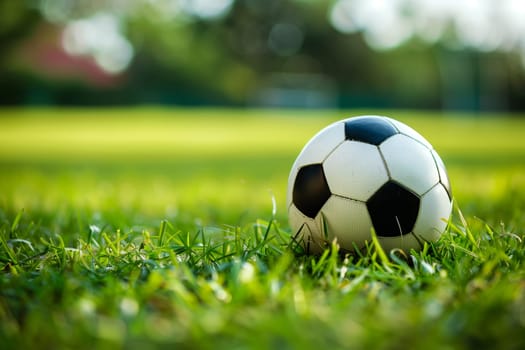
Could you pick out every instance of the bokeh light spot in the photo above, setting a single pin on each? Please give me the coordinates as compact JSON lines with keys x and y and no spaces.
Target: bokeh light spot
{"x":99,"y":36}
{"x":285,"y":39}
{"x":207,"y":9}
{"x":483,"y":25}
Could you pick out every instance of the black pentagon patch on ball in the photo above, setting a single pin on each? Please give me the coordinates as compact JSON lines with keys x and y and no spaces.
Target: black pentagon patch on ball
{"x":393,"y":210}
{"x":310,"y":190}
{"x":373,"y":130}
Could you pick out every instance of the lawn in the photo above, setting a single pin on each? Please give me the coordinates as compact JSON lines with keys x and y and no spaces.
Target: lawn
{"x":147,"y":227}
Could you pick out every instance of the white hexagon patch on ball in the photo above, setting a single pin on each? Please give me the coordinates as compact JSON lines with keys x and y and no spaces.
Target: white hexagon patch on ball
{"x":364,"y":173}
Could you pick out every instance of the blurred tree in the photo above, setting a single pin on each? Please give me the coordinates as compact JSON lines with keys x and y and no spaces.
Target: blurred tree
{"x":17,"y":21}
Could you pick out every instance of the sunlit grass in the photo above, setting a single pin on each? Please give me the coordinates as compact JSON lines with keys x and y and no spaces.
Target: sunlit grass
{"x":163,"y":134}
{"x":228,"y":158}
{"x":151,"y":134}
{"x":147,"y":228}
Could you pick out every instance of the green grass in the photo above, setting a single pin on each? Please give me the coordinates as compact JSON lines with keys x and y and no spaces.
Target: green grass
{"x":143,"y":228}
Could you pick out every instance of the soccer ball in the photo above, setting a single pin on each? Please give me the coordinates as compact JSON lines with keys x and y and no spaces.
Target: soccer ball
{"x":364,"y":173}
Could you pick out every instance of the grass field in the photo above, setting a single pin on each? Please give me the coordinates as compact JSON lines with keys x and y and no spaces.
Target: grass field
{"x":147,"y":227}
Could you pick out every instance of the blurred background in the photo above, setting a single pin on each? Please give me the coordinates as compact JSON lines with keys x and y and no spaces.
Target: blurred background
{"x":435,"y":54}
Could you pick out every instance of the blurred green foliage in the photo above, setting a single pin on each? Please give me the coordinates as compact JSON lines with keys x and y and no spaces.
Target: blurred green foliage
{"x":254,"y":52}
